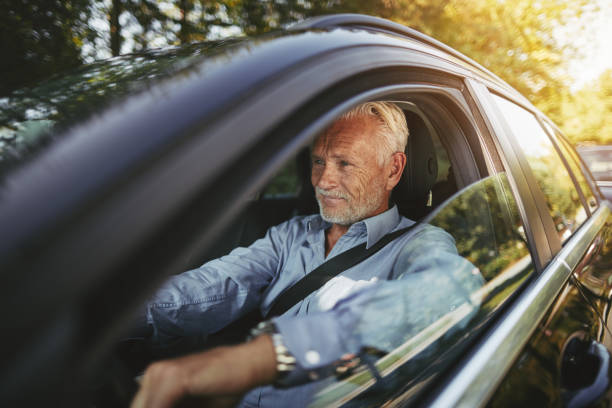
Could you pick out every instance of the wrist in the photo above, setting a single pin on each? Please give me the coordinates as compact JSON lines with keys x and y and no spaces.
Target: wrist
{"x":285,"y":362}
{"x":261,"y":354}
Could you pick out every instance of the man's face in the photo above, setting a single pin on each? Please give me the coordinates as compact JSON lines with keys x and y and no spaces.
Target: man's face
{"x":349,"y":182}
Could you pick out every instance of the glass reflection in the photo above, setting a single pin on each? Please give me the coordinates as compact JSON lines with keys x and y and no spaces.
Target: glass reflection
{"x":578,"y":168}
{"x":563,"y":200}
{"x":416,"y":324}
{"x":31,"y":117}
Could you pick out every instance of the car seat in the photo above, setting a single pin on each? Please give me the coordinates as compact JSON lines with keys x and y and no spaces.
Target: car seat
{"x":413,"y":194}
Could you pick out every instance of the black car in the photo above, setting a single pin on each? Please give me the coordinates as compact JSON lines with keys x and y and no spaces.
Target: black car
{"x":599,"y":160}
{"x":126,"y":171}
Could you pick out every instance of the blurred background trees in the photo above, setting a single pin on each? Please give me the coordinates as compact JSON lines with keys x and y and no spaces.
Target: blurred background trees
{"x":518,"y":40}
{"x":38,"y":38}
{"x":586,"y":116}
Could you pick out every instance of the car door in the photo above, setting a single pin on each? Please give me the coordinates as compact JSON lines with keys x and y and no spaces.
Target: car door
{"x":570,"y":340}
{"x":556,"y":327}
{"x":448,"y":311}
{"x":142,"y":189}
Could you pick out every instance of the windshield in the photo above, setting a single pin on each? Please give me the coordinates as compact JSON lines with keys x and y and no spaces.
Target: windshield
{"x":30,"y":118}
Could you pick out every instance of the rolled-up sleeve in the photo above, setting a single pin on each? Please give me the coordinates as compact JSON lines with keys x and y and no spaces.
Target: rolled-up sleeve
{"x":431,"y":279}
{"x":204,"y":300}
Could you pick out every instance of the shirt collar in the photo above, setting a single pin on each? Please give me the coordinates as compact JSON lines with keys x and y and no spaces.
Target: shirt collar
{"x":376,"y":227}
{"x":317,"y":223}
{"x":380,"y":225}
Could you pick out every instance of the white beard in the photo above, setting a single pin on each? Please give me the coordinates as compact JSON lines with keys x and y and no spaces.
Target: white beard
{"x":353,"y":212}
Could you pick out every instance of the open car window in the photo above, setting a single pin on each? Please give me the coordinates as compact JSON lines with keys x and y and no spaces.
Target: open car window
{"x":285,"y":184}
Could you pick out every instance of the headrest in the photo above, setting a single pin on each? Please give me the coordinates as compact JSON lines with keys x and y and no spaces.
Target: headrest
{"x":412,"y":192}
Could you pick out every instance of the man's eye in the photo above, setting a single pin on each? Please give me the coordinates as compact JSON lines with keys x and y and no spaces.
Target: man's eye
{"x":344,"y":163}
{"x":318,"y":162}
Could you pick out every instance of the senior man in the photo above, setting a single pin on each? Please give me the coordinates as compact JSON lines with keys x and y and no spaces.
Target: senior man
{"x":356,"y":163}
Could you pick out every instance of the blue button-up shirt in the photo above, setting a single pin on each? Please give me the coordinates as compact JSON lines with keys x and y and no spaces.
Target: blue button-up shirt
{"x":325,"y":325}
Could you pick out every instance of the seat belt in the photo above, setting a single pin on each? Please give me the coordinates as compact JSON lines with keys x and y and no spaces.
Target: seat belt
{"x":328,"y":270}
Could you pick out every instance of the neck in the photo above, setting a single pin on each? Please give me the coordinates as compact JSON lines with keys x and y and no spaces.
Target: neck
{"x":332,"y":235}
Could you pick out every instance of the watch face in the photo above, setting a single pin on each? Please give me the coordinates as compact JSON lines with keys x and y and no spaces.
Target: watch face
{"x":266,"y":327}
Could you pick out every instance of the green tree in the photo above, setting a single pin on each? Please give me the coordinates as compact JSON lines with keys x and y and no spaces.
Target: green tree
{"x":115,"y":27}
{"x":586,"y":116}
{"x":39,"y":38}
{"x":259,"y":16}
{"x":177,"y":22}
{"x":514,"y":39}
{"x":141,"y":16}
{"x":198,"y":18}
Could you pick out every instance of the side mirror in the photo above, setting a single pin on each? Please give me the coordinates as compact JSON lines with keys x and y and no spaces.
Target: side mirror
{"x":585,"y":372}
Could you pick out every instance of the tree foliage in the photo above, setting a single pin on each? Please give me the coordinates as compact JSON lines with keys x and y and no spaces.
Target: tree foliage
{"x":145,"y":22}
{"x":514,"y":39}
{"x":586,"y":115}
{"x":39,"y":37}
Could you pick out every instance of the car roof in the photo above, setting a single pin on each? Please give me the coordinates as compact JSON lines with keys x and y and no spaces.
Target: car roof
{"x":380,"y":25}
{"x":260,"y":60}
{"x":370,"y":23}
{"x":96,"y":153}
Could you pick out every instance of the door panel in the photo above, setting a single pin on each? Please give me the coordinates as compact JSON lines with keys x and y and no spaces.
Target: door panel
{"x":580,"y":312}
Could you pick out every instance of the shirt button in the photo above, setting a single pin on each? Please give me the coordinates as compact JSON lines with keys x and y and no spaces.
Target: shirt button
{"x":312,"y":357}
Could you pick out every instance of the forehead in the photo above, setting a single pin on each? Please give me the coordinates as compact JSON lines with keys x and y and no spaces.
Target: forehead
{"x":348,"y":135}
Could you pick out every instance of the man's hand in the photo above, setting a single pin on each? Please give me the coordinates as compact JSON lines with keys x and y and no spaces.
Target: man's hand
{"x":218,"y":377}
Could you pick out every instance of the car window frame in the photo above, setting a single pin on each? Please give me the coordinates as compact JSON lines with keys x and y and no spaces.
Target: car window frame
{"x":531,"y":202}
{"x":545,"y":216}
{"x":555,"y":139}
{"x":276,"y":145}
{"x":460,"y":101}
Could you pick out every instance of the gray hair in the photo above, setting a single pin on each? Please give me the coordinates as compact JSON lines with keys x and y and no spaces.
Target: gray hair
{"x":393,"y":129}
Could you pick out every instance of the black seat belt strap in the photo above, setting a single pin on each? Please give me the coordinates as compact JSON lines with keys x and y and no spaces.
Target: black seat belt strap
{"x":328,"y":270}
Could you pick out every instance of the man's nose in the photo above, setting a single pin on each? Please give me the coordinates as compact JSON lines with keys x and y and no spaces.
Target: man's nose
{"x":326,"y":177}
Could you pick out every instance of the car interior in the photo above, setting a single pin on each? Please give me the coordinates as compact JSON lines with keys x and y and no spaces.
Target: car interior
{"x":427,"y":181}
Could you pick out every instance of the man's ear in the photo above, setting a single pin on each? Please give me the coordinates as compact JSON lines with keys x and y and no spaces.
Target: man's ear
{"x":396,"y":168}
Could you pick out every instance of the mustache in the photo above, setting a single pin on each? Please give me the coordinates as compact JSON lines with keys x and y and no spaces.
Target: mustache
{"x":331,"y":193}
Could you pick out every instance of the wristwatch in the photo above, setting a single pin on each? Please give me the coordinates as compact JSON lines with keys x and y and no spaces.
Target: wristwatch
{"x":285,"y":361}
